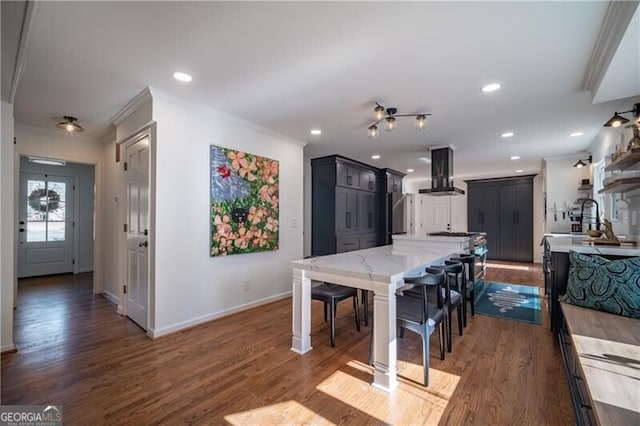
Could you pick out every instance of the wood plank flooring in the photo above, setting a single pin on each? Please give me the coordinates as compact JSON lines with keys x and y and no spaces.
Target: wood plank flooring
{"x":75,"y":351}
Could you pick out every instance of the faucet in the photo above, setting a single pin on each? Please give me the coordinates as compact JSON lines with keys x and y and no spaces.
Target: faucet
{"x":597,"y":212}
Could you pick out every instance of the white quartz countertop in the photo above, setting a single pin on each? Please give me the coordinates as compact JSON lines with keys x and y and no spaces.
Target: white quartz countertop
{"x":566,"y":244}
{"x":383,"y":264}
{"x":417,"y":237}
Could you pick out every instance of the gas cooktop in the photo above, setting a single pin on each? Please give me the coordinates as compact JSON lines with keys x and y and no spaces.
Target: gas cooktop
{"x":452,"y":234}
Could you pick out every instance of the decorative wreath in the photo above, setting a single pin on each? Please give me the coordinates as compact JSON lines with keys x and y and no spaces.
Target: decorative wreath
{"x":36,"y":203}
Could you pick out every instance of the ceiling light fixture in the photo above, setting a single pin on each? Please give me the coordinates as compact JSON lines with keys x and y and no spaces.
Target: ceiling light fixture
{"x":389,"y":115}
{"x":47,"y":161}
{"x":409,"y":170}
{"x":576,"y":134}
{"x":492,"y":87}
{"x":581,"y":162}
{"x":617,"y":120}
{"x":69,"y":124}
{"x":182,"y":76}
{"x":515,"y":157}
{"x":316,"y":132}
{"x":375,"y":157}
{"x":519,"y":171}
{"x":507,"y":134}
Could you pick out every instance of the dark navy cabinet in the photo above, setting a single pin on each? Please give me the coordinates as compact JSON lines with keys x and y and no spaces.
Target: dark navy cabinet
{"x":503,"y":208}
{"x":345,"y":208}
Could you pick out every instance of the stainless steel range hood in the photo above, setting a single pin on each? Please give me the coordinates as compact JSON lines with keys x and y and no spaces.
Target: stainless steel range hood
{"x":442,"y":174}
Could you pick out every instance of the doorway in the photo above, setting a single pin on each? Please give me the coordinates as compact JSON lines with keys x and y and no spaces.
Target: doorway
{"x":55,"y":218}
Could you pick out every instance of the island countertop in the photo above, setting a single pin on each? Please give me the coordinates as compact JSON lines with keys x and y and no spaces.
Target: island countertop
{"x":434,"y":238}
{"x":385,"y":263}
{"x":566,"y":244}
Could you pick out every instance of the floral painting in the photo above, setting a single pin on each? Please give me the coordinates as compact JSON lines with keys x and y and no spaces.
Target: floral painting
{"x":244,"y":202}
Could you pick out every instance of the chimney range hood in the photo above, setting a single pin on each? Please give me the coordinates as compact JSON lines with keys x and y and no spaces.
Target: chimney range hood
{"x":442,"y":174}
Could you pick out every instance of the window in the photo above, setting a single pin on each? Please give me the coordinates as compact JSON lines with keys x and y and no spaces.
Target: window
{"x":46,"y":210}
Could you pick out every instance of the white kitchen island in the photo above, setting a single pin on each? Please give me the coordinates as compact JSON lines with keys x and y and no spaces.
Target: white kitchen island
{"x":379,"y":269}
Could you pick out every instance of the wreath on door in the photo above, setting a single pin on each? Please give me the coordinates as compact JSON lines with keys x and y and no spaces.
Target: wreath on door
{"x":38,"y":200}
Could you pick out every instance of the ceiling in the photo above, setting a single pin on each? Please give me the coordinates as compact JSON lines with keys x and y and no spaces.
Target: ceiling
{"x":292,"y":67}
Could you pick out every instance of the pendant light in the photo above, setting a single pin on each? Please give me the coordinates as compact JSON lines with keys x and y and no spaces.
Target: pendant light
{"x":69,"y":124}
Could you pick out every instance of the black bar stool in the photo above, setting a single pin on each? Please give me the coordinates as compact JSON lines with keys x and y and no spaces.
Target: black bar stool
{"x":468,"y":295}
{"x":331,"y":294}
{"x":452,"y":297}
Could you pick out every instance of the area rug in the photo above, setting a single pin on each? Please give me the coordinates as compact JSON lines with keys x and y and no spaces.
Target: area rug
{"x":509,"y":301}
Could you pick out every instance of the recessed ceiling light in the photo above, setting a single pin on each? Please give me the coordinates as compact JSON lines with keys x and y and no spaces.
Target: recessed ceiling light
{"x":375,"y":157}
{"x":576,"y":134}
{"x":519,"y":171}
{"x":492,"y":87}
{"x":515,"y":157}
{"x":409,"y":170}
{"x":316,"y":132}
{"x":182,"y":76}
{"x":507,"y":134}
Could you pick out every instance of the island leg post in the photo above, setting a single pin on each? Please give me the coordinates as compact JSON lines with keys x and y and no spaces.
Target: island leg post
{"x":301,"y":318}
{"x":384,"y":338}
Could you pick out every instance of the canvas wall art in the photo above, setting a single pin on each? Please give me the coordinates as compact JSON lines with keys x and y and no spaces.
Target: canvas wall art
{"x":244,"y":202}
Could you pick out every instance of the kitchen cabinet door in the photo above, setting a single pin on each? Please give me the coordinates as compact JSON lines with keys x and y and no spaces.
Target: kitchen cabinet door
{"x":483,"y":213}
{"x":367,"y":212}
{"x":347,"y":176}
{"x":508,"y":238}
{"x":368,"y":181}
{"x":346,"y":210}
{"x":524,"y":222}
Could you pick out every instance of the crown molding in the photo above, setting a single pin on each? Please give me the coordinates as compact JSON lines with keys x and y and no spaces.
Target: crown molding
{"x":21,"y":57}
{"x":614,"y":25}
{"x":54,"y":133}
{"x":240,"y":121}
{"x":140,"y":99}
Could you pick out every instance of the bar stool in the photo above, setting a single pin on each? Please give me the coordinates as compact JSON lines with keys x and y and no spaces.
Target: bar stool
{"x":453,"y":297}
{"x":468,"y":295}
{"x":422,"y":314}
{"x":331,"y":294}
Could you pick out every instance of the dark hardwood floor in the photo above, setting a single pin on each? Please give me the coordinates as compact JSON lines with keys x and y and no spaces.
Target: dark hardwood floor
{"x":75,"y":351}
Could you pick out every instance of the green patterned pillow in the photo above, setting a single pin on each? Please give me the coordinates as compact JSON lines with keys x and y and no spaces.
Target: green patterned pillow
{"x":606,"y":285}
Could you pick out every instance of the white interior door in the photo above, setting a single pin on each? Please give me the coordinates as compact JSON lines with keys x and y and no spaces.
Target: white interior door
{"x":435,"y":214}
{"x":46,"y":226}
{"x":137,"y":281}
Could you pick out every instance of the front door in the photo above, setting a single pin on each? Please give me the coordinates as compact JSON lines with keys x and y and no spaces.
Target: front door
{"x":137,"y":178}
{"x":46,"y":227}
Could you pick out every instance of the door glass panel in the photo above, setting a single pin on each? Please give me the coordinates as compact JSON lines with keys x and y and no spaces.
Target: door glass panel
{"x":46,"y":211}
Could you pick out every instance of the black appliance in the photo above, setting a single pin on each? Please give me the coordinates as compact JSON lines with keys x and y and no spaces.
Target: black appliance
{"x":477,"y":246}
{"x":396,"y":211}
{"x":442,"y":174}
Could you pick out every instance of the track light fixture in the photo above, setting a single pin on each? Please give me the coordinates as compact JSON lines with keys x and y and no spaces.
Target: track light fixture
{"x":389,"y":115}
{"x":69,"y":124}
{"x":583,"y":162}
{"x":617,"y":120}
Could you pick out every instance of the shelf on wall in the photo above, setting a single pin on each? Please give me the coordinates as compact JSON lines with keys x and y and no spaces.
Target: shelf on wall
{"x":625,"y":160}
{"x":621,"y":185}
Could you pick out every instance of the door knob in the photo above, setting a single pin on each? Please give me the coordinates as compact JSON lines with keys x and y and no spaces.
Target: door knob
{"x":21,"y":229}
{"x":143,"y":244}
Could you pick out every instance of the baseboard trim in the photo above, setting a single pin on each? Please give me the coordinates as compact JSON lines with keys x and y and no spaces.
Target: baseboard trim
{"x":111,"y":297}
{"x":8,"y":349}
{"x":154,"y":334}
{"x":83,"y":270}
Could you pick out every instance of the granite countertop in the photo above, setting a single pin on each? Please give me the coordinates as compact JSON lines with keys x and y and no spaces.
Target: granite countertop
{"x":566,"y":244}
{"x":383,"y":264}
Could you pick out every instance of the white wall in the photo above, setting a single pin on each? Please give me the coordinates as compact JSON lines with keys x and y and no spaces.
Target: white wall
{"x":190,"y":286}
{"x":7,"y":228}
{"x":84,"y":176}
{"x":602,"y":146}
{"x":562,"y":182}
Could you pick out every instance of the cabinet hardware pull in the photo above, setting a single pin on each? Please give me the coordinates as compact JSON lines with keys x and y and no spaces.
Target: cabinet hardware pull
{"x":348,"y":219}
{"x":369,"y":219}
{"x":514,"y":217}
{"x":349,"y":180}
